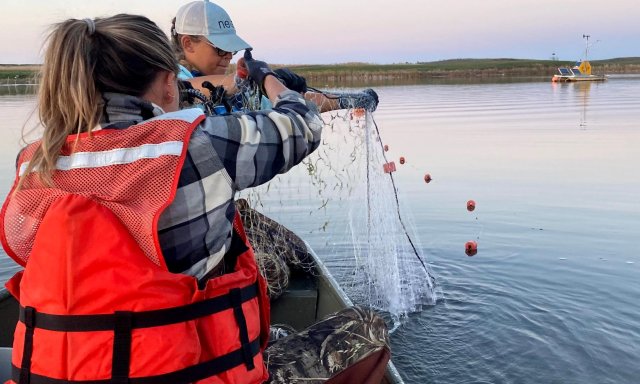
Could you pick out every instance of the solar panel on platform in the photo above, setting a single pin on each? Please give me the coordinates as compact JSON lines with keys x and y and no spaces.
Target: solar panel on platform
{"x":564,"y":71}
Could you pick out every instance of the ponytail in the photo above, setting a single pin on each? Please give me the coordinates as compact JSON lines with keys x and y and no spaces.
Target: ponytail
{"x":83,"y":60}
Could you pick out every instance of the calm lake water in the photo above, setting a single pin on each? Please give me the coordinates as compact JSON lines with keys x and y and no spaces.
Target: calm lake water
{"x":552,"y":295}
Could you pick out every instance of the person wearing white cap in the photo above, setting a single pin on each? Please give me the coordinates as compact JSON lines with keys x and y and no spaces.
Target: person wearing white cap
{"x":205,"y":40}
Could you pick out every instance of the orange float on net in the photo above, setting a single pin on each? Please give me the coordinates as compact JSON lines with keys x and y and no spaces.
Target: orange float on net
{"x":386,"y":148}
{"x":401,"y":160}
{"x":389,"y":167}
{"x":471,"y":248}
{"x":241,"y":69}
{"x":358,"y":112}
{"x":471,"y":205}
{"x":427,"y":178}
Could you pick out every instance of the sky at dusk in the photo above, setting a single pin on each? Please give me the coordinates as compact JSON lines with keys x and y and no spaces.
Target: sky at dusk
{"x":374,"y":31}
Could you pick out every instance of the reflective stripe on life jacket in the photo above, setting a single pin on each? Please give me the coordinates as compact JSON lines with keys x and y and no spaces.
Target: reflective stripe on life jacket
{"x":98,"y":304}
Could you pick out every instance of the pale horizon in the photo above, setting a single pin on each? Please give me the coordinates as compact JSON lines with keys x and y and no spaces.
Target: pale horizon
{"x":293,"y":32}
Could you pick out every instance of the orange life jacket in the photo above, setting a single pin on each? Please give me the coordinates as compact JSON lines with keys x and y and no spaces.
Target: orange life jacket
{"x":97,"y":303}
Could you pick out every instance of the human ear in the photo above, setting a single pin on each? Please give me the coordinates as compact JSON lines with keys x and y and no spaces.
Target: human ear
{"x":169,"y":80}
{"x":187,"y":44}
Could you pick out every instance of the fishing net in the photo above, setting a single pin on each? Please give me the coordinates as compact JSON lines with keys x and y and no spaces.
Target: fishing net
{"x":392,"y":273}
{"x":276,"y":249}
{"x":344,"y":194}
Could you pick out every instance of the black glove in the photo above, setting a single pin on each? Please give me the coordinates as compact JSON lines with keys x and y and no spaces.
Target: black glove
{"x":258,"y":70}
{"x":367,"y":99}
{"x":291,"y":80}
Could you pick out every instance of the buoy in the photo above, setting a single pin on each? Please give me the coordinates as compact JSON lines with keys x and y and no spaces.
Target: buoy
{"x":389,"y":167}
{"x":359,"y":112}
{"x":401,"y":160}
{"x":470,"y":248}
{"x":386,"y":148}
{"x":241,"y":69}
{"x":427,"y":178}
{"x":471,"y":205}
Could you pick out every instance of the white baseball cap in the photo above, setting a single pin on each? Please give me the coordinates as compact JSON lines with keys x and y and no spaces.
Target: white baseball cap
{"x":203,"y":18}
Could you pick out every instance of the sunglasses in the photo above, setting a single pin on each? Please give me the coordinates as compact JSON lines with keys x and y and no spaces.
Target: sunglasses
{"x":221,"y":52}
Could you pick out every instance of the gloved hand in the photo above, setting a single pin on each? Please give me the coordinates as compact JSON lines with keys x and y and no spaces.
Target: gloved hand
{"x":291,"y":80}
{"x":258,"y":70}
{"x":367,"y":99}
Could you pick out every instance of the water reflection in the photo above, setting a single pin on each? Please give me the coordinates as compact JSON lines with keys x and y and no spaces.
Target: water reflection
{"x":10,"y":86}
{"x":581,"y":91}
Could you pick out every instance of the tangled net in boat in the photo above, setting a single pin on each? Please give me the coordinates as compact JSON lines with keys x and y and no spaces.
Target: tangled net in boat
{"x":342,"y":340}
{"x":276,"y":249}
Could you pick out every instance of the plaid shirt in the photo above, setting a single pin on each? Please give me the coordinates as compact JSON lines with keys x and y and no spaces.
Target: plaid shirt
{"x":225,"y":155}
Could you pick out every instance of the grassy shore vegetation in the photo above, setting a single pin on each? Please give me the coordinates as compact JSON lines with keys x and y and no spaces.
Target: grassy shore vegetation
{"x":456,"y":68}
{"x":459,"y":68}
{"x":22,"y":71}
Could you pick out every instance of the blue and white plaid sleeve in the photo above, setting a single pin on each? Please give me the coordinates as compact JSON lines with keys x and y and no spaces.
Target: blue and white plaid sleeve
{"x":227,"y":154}
{"x":256,"y":146}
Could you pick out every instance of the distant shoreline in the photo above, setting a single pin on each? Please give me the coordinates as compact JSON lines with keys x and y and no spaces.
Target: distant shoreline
{"x":459,"y":69}
{"x":446,"y":69}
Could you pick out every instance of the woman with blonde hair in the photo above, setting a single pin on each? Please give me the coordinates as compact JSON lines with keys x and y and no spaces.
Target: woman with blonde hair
{"x":137,"y":268}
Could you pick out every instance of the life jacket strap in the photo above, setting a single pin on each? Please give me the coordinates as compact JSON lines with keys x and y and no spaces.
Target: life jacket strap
{"x":236,"y":299}
{"x":143,"y":319}
{"x":187,"y":375}
{"x":122,"y":323}
{"x":121,"y":347}
{"x":27,"y":351}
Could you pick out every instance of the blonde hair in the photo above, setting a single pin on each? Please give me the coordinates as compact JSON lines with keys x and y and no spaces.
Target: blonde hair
{"x":178,"y":49}
{"x":83,"y":60}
